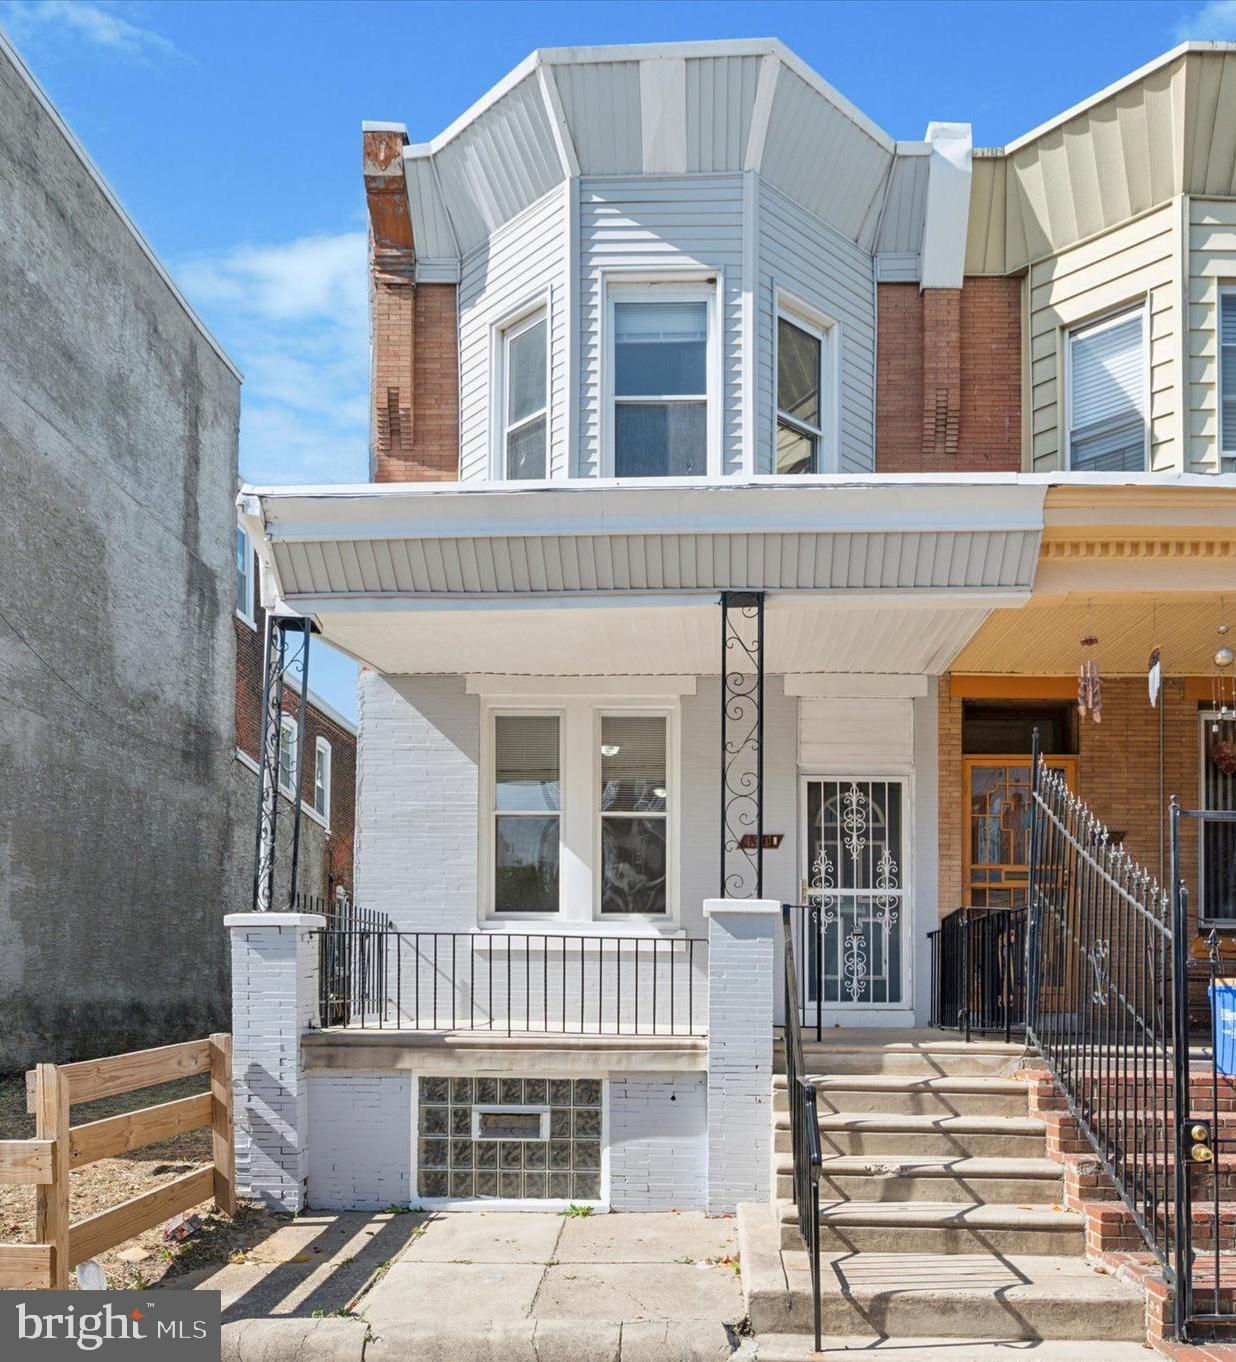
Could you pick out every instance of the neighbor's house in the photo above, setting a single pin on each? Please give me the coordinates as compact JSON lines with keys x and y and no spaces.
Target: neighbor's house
{"x":327,"y":769}
{"x":116,"y":731}
{"x":688,"y":377}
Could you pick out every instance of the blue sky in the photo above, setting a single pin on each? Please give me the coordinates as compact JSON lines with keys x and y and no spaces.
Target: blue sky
{"x":232,"y":134}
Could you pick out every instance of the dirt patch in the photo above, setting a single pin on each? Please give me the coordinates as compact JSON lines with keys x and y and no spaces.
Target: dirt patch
{"x":147,"y":1259}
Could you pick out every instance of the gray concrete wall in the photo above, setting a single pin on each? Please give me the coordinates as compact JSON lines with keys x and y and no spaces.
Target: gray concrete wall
{"x":118,"y":430}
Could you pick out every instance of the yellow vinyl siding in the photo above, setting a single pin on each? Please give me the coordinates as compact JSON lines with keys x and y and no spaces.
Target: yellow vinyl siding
{"x":1212,"y":264}
{"x":1134,"y":262}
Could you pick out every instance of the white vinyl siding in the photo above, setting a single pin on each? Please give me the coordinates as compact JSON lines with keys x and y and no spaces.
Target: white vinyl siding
{"x":836,"y":734}
{"x":799,"y":255}
{"x":666,"y":227}
{"x":1106,"y":377}
{"x":522,"y":265}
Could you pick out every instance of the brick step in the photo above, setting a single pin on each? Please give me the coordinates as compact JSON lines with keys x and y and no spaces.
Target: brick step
{"x":943,"y":1228}
{"x":949,"y":1095}
{"x":900,"y":1178}
{"x":897,"y":1133}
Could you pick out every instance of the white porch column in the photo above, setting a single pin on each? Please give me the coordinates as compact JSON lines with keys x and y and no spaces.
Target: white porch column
{"x":742,"y":937}
{"x":274,"y":997}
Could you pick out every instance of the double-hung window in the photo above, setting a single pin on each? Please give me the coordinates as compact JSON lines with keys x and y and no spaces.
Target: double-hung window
{"x":244,"y":576}
{"x":288,"y":737}
{"x":525,"y":403}
{"x":801,"y":354}
{"x":660,"y":381}
{"x":527,"y":803}
{"x":634,"y":800}
{"x":1227,"y":373}
{"x":1107,"y":406}
{"x":321,"y":778}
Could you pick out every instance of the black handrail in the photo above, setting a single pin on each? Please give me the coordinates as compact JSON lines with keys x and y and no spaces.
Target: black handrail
{"x":978,"y":971}
{"x":804,"y":1121}
{"x":377,"y":978}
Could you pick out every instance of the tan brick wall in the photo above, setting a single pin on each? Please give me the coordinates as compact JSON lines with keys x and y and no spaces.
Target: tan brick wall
{"x":1117,"y":774}
{"x":948,"y":394}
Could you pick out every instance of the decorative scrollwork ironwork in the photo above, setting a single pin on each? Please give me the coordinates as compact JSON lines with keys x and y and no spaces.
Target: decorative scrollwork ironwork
{"x":1100,"y":966}
{"x":742,"y":744}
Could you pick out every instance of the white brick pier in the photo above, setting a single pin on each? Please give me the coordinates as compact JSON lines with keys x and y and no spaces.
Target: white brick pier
{"x":742,"y":938}
{"x":274,"y":996}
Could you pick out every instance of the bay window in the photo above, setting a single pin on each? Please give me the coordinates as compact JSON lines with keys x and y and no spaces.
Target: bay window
{"x":525,"y":401}
{"x":633,"y":799}
{"x":527,"y":805}
{"x":660,"y":381}
{"x":1107,"y":403}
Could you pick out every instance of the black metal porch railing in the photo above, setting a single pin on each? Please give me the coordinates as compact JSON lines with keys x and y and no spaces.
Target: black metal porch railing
{"x":351,"y":956}
{"x":978,"y":971}
{"x":512,"y":982}
{"x":1106,"y":998}
{"x":804,"y":1120}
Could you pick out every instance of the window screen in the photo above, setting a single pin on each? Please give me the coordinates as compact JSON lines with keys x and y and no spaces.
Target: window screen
{"x":660,"y":389}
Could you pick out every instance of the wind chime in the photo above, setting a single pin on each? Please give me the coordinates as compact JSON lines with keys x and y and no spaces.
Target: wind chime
{"x":1223,"y":700}
{"x":1090,"y":683}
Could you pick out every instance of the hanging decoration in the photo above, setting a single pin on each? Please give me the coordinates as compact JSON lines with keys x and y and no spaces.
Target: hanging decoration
{"x":1154,"y":677}
{"x":1090,"y":685}
{"x":1222,"y":692}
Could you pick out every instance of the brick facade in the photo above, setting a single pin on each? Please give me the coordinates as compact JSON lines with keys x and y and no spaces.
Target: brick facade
{"x":337,"y":872}
{"x":1117,"y":774}
{"x":948,"y":378}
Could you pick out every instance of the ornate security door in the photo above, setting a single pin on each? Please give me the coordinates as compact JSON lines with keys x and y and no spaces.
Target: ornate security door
{"x":855,"y":890}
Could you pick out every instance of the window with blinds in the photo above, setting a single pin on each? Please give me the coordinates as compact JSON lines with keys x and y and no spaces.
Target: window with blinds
{"x":633,"y":804}
{"x":526,"y":804}
{"x":1227,"y":371}
{"x":1107,"y":395}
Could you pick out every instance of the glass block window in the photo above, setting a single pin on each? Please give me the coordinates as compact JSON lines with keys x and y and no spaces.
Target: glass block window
{"x":461,"y":1152}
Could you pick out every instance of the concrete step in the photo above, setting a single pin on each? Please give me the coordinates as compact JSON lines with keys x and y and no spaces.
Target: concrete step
{"x":917,"y":1295}
{"x":950,"y":1095}
{"x":909,"y":1134}
{"x":799,"y":1348}
{"x":926,"y":1053}
{"x":941,"y":1228}
{"x":898,"y":1178}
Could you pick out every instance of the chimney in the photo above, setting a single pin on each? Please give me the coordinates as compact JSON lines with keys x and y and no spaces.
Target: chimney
{"x":414,"y":387}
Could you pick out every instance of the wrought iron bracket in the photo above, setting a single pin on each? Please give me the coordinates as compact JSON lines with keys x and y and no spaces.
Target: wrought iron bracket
{"x":742,"y":744}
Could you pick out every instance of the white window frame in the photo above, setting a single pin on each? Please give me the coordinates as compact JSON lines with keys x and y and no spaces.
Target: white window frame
{"x":490,"y":812}
{"x":828,"y":332}
{"x":604,"y":711}
{"x":579,"y":819}
{"x":248,"y":614}
{"x":1227,"y":291}
{"x":322,"y":750}
{"x":1205,"y":719}
{"x":288,"y":725}
{"x":619,"y":286}
{"x":1089,"y":327}
{"x":505,"y":330}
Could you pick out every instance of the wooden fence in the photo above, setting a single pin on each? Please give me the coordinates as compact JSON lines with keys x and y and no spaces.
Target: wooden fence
{"x":52,"y":1090}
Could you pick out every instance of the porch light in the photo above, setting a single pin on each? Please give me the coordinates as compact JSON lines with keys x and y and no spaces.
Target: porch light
{"x":610,"y":749}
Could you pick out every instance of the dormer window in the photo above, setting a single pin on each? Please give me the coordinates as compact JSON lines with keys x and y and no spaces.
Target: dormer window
{"x":803,"y":395}
{"x":660,"y":381}
{"x":524,"y":398}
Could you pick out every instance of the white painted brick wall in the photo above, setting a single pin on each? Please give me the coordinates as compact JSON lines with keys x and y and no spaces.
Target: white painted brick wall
{"x":360,"y":1153}
{"x":658,"y":1156}
{"x":274,"y":997}
{"x":417,"y":801}
{"x":742,"y":959}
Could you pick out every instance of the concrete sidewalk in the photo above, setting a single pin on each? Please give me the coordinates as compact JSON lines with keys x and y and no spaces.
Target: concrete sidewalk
{"x":481,"y":1287}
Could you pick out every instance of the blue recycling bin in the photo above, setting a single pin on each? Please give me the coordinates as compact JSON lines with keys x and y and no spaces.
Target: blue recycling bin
{"x":1223,"y":1012}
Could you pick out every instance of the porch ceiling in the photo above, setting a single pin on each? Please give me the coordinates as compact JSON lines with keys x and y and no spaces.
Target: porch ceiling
{"x":656,"y":636}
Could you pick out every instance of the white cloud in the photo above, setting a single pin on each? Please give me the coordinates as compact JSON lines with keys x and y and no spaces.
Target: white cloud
{"x":97,"y":25}
{"x":1214,"y":21}
{"x":295,"y":317}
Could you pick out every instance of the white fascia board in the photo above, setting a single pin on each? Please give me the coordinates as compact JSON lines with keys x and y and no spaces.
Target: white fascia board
{"x":1180,"y":50}
{"x":53,"y":114}
{"x":946,"y":218}
{"x":831,"y":503}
